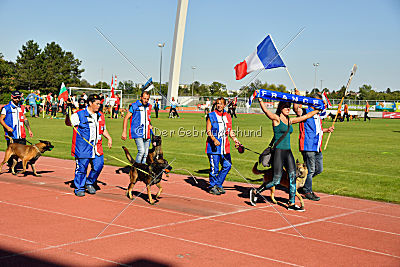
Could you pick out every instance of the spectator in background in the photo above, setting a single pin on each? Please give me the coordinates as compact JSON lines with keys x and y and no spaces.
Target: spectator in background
{"x":31,"y":99}
{"x":82,"y":102}
{"x":84,"y":95}
{"x":172,"y":110}
{"x":156,"y":107}
{"x":346,"y":112}
{"x":49,"y":97}
{"x":116,"y":106}
{"x":366,"y":110}
{"x":54,"y":107}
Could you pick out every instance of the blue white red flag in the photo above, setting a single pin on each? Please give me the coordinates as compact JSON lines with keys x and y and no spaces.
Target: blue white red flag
{"x":264,"y":57}
{"x":251,"y":98}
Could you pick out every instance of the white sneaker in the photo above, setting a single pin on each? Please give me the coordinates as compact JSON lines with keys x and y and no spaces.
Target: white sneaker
{"x":253,"y":197}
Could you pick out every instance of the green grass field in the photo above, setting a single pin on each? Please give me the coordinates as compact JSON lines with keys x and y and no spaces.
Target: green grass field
{"x":362,"y":158}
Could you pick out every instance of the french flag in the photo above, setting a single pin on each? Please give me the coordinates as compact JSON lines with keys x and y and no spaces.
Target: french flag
{"x":264,"y":57}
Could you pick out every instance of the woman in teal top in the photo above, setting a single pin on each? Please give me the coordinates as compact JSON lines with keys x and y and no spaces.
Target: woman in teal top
{"x":283,"y":156}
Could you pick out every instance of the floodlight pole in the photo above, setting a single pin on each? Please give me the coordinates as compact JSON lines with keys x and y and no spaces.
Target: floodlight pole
{"x":161,"y":45}
{"x":315,"y":78}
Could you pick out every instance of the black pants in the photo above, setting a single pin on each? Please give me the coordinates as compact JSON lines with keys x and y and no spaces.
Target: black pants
{"x":174,"y":112}
{"x":53,"y":111}
{"x":346,"y":115}
{"x":366,"y":116}
{"x":233,"y":112}
{"x":282,"y":158}
{"x":115,"y":113}
{"x":156,"y":110}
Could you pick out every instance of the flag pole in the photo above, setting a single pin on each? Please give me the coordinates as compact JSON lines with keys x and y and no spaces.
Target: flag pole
{"x":290,"y":76}
{"x":353,"y":71}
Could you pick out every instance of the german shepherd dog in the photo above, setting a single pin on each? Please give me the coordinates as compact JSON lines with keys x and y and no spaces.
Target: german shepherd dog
{"x":150,"y":174}
{"x":155,"y":152}
{"x":27,"y":153}
{"x":301,"y":176}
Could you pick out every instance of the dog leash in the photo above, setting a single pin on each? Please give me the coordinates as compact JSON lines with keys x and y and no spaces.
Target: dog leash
{"x":119,"y":214}
{"x":266,"y":199}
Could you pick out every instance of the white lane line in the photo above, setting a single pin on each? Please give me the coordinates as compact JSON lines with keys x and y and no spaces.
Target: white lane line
{"x":222,"y":248}
{"x":319,"y":220}
{"x":60,"y":213}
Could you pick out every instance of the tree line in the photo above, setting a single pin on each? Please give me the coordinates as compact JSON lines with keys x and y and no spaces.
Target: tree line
{"x":45,"y":69}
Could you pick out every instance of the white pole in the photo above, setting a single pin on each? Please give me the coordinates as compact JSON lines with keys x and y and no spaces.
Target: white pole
{"x":177,"y":47}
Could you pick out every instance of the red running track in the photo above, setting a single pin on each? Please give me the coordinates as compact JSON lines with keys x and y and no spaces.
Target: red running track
{"x":44,"y":224}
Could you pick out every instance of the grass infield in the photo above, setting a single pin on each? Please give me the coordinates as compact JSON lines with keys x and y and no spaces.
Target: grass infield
{"x":362,"y":158}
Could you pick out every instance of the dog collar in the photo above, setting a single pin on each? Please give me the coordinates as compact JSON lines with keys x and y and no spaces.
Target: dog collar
{"x":40,"y":153}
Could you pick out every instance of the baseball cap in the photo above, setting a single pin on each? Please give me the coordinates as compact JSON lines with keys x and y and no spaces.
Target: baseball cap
{"x":16,"y":94}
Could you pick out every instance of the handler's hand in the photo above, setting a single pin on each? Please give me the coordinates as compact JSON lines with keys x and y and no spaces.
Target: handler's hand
{"x":109,"y":143}
{"x":331,"y":129}
{"x":9,"y":129}
{"x":123,"y":137}
{"x":30,"y":133}
{"x":216,"y":142}
{"x":296,"y":92}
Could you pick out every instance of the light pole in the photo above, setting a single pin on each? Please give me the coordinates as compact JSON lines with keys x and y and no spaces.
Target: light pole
{"x":315,"y":78}
{"x":161,"y":45}
{"x":321,"y":85}
{"x":193,"y":68}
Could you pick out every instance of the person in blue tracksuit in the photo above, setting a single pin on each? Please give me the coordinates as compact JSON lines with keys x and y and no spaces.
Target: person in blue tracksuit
{"x":310,"y":144}
{"x":140,"y":126}
{"x":89,"y":127}
{"x":219,"y":127}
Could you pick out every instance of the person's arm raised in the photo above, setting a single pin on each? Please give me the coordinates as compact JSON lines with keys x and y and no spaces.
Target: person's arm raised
{"x":270,"y":115}
{"x":304,"y":117}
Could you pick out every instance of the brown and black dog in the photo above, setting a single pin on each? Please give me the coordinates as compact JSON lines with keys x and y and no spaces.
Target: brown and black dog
{"x":155,"y":153}
{"x":27,"y":153}
{"x":150,"y":174}
{"x":301,"y":176}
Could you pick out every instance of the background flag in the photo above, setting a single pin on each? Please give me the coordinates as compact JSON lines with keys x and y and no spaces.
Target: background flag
{"x":326,"y":99}
{"x":113,"y":87}
{"x":63,"y":92}
{"x":264,"y":57}
{"x":148,"y":85}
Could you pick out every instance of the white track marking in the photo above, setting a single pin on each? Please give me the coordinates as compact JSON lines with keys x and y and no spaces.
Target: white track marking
{"x":222,"y":248}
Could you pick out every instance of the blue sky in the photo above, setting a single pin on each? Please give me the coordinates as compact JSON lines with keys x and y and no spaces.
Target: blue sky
{"x":219,"y":34}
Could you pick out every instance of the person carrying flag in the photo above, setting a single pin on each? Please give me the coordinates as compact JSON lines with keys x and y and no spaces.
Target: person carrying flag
{"x":219,"y":127}
{"x":140,"y":126}
{"x":310,"y":145}
{"x":89,"y":127}
{"x":283,"y":156}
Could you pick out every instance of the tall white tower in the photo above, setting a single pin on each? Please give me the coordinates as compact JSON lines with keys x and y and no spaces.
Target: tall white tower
{"x":176,"y":57}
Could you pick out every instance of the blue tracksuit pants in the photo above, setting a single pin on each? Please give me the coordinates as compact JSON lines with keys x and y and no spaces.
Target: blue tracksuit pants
{"x":81,"y":180}
{"x":217,"y":177}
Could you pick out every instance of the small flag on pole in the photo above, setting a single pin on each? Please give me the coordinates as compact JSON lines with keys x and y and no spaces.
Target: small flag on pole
{"x":251,"y":98}
{"x":326,"y":100}
{"x":264,"y":57}
{"x":148,"y":85}
{"x":63,"y":92}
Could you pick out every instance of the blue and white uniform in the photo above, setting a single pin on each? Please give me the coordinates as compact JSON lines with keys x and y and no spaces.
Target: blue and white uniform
{"x":311,"y":133}
{"x":221,"y":125}
{"x":14,"y":118}
{"x":140,"y":120}
{"x":90,"y":127}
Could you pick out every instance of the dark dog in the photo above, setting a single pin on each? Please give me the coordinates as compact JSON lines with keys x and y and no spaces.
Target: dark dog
{"x":301,"y":175}
{"x":149,"y":174}
{"x":27,"y":153}
{"x":155,"y":153}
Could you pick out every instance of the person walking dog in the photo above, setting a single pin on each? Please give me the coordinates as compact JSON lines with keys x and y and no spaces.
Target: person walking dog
{"x":89,"y":127}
